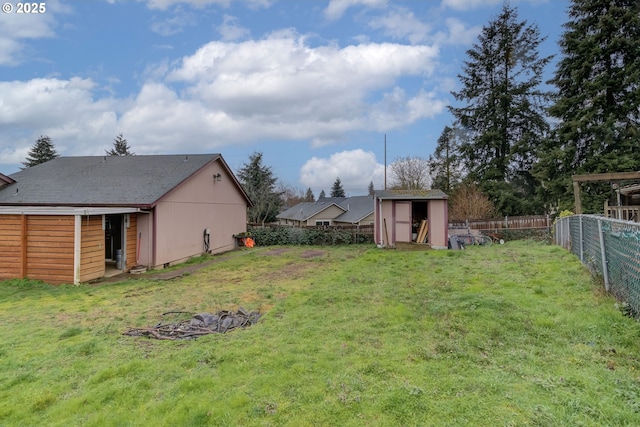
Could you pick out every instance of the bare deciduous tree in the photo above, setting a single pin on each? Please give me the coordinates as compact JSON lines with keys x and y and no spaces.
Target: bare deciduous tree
{"x":409,"y":173}
{"x":468,"y":203}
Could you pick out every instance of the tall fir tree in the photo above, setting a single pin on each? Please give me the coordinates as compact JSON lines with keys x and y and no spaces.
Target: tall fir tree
{"x":120,"y":147}
{"x":444,"y":163}
{"x":371,"y":189}
{"x":336,"y":189}
{"x":260,"y":184}
{"x":309,"y":197}
{"x":503,"y":110}
{"x":597,"y":106}
{"x":322,"y":195}
{"x":42,"y":151}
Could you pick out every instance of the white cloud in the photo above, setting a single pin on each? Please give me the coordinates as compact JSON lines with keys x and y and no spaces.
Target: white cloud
{"x":401,"y":23}
{"x":476,"y":4}
{"x":230,"y":93}
{"x":175,"y":24}
{"x":165,"y":4}
{"x":230,"y":30}
{"x":63,"y":109}
{"x":284,"y":85}
{"x":355,"y":168}
{"x":17,"y":29}
{"x":337,"y":8}
{"x":457,"y":33}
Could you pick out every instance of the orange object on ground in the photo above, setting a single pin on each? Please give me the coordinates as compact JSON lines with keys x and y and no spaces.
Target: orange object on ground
{"x":248,"y":242}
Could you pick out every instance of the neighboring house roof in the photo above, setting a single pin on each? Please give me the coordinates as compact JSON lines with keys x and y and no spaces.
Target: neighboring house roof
{"x":139,"y":181}
{"x":355,"y":209}
{"x":4,"y":180}
{"x":305,"y":210}
{"x":410,"y":194}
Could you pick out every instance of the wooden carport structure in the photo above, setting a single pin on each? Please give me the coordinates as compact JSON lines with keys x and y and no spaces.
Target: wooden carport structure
{"x":597,"y":177}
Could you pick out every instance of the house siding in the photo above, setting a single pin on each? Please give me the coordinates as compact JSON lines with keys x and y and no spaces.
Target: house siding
{"x":438,"y":218}
{"x":198,"y":204}
{"x":11,"y":246}
{"x":49,"y":248}
{"x":327,"y":214}
{"x":131,"y":248}
{"x":92,"y":263}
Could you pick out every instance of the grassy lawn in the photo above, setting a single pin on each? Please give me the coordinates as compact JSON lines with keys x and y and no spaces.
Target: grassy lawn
{"x":508,"y":335}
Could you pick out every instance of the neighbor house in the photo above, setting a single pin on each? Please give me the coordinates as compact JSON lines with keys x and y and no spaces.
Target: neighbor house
{"x":406,"y":216}
{"x":357,"y":210}
{"x":71,"y":219}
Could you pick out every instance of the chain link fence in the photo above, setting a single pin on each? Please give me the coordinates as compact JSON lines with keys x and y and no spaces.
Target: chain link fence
{"x":610,"y":248}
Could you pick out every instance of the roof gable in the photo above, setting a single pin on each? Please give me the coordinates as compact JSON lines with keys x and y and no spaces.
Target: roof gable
{"x":354,"y":209}
{"x":305,"y":210}
{"x":103,"y":180}
{"x":4,"y":180}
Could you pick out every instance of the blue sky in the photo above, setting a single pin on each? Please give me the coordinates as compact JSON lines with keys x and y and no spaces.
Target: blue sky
{"x":314,"y":85}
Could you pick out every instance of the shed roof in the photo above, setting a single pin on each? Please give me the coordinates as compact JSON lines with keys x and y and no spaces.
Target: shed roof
{"x":410,"y":194}
{"x":139,"y":181}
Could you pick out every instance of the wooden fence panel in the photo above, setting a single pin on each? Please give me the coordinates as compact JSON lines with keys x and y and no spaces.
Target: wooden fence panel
{"x":513,"y":223}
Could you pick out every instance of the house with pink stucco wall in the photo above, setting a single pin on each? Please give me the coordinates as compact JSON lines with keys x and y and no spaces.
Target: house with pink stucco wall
{"x":75,"y":219}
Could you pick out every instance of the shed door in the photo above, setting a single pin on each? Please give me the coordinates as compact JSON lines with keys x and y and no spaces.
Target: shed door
{"x":402,"y":230}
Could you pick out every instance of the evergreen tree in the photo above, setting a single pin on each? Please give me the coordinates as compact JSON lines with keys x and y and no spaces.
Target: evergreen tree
{"x":371,"y":190}
{"x":309,"y":196}
{"x":259,"y":183}
{"x":120,"y":147}
{"x":444,"y":163}
{"x":322,"y":195}
{"x":598,"y":100}
{"x":336,"y":189}
{"x":503,"y":110}
{"x":42,"y":151}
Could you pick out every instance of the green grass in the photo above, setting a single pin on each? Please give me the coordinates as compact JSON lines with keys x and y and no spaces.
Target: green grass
{"x":507,"y":335}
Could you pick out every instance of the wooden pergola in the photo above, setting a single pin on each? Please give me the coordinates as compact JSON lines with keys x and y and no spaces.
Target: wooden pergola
{"x":597,"y":177}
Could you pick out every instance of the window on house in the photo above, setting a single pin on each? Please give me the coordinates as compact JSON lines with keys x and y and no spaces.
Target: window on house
{"x":323,"y":223}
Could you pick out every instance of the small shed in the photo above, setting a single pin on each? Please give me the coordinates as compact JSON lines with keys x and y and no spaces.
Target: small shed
{"x":77,"y":219}
{"x":406,"y":216}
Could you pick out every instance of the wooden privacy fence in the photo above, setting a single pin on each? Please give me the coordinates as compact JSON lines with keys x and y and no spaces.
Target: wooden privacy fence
{"x":508,"y":222}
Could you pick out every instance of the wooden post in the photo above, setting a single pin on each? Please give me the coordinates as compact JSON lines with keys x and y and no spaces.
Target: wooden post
{"x":576,"y":196}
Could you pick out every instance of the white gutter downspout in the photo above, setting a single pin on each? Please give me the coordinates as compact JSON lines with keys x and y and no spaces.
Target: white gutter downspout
{"x":380,"y":220}
{"x":77,"y":249}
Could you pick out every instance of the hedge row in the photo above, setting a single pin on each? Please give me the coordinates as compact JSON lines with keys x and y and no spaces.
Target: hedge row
{"x":285,"y":235}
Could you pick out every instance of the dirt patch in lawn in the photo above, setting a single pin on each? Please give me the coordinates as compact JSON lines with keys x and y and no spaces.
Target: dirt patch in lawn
{"x":311,"y":254}
{"x":278,"y":251}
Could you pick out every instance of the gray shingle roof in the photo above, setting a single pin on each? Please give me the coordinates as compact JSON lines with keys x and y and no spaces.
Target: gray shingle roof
{"x":411,"y":194}
{"x":305,"y":210}
{"x":358,"y":207}
{"x":102,"y":180}
{"x":355,"y":209}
